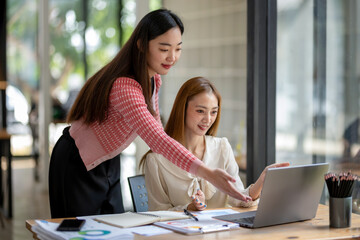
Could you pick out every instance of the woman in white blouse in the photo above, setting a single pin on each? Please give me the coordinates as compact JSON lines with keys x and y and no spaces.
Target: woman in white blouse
{"x":193,"y":121}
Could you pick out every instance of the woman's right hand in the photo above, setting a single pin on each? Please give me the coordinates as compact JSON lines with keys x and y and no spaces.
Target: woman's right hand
{"x":197,"y":201}
{"x":221,"y":180}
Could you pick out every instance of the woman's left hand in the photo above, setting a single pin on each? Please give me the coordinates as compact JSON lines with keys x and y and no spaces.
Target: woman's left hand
{"x":275,"y":165}
{"x":255,"y":190}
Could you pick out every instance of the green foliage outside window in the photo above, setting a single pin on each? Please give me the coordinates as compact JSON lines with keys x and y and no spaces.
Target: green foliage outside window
{"x":106,"y":26}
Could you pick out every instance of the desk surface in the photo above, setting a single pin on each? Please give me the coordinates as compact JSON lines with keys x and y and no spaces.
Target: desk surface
{"x":317,"y":228}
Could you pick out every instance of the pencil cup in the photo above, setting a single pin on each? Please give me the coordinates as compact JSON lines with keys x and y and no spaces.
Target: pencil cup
{"x":340,"y":212}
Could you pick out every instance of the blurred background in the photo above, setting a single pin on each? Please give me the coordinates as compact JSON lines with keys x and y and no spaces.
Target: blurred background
{"x":308,"y":103}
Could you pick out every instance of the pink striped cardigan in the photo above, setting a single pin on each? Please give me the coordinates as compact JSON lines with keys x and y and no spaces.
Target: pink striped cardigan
{"x":129,"y":117}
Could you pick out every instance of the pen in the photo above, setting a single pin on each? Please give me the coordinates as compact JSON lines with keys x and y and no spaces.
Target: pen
{"x":190,"y":214}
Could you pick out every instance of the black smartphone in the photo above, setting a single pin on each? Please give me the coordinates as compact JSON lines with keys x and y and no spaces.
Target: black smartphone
{"x":71,"y":225}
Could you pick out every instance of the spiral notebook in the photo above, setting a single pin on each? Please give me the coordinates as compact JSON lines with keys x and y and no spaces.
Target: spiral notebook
{"x":133,"y":219}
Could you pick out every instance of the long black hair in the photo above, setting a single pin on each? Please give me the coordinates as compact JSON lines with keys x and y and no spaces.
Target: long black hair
{"x":93,"y":100}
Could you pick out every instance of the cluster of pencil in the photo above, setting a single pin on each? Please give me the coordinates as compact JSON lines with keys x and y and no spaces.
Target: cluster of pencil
{"x":340,"y":185}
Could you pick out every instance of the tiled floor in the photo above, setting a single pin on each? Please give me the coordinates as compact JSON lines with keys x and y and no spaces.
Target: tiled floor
{"x":29,"y":201}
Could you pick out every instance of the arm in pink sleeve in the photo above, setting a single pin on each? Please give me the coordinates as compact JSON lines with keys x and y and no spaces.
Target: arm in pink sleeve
{"x":130,"y":102}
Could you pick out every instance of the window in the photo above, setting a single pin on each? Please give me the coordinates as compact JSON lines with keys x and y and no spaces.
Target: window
{"x":318,"y":100}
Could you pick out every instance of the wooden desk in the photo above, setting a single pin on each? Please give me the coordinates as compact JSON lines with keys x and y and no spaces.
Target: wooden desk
{"x":317,"y":228}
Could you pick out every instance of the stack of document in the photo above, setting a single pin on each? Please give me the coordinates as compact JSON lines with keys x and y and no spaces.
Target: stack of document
{"x":91,"y":230}
{"x":123,"y":225}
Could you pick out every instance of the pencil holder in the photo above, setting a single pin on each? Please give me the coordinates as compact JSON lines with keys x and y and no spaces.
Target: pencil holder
{"x":340,"y":212}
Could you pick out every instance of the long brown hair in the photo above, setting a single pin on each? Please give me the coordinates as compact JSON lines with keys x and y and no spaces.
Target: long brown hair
{"x":175,"y":126}
{"x":92,"y":101}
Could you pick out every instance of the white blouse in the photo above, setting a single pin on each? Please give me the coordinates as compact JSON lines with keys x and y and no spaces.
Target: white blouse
{"x":171,"y":188}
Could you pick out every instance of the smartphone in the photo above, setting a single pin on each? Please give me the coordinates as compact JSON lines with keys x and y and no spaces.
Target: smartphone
{"x":71,"y":225}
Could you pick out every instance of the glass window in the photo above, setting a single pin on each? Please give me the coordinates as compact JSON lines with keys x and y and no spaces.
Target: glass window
{"x":22,"y":71}
{"x":102,"y":33}
{"x":318,"y":119}
{"x":294,"y":88}
{"x":66,"y":29}
{"x":72,"y":58}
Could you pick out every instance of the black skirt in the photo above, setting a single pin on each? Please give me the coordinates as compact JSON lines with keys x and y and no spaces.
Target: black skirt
{"x":74,"y":191}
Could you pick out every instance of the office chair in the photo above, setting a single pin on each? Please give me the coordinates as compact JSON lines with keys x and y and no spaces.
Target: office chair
{"x":138,"y":193}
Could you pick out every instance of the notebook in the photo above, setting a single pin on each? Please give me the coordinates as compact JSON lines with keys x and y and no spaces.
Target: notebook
{"x":289,"y":194}
{"x":133,"y":219}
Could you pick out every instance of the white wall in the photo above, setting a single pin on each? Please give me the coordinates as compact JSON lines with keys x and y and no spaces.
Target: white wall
{"x":214,"y":46}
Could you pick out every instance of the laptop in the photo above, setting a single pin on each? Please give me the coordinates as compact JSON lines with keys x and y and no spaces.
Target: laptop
{"x":289,"y":194}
